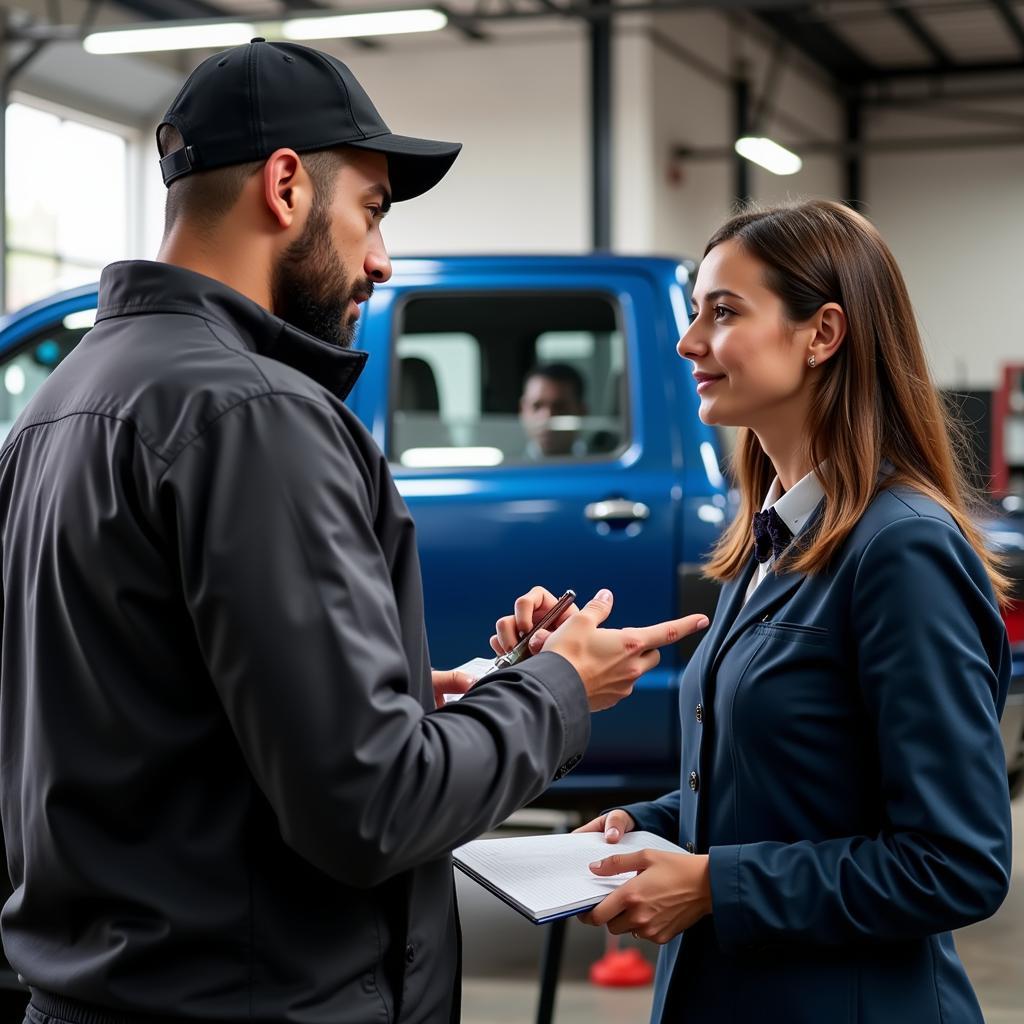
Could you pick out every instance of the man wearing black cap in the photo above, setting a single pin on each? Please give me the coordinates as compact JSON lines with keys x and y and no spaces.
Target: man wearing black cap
{"x":226,"y":792}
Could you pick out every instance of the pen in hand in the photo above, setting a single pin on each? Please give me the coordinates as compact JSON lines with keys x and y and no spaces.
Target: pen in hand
{"x":522,"y":649}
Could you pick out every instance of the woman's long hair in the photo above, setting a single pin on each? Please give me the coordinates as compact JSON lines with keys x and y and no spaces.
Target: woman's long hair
{"x":873,"y":401}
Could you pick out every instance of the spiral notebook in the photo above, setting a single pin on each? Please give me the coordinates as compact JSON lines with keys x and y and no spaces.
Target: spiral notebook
{"x":548,"y":877}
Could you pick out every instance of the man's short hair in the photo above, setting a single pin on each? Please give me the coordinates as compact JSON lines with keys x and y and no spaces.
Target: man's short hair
{"x":206,"y":196}
{"x":560,"y":373}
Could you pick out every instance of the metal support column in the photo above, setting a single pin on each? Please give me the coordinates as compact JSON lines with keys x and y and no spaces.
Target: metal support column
{"x":853,"y":163}
{"x":741,"y":122}
{"x":601,"y":130}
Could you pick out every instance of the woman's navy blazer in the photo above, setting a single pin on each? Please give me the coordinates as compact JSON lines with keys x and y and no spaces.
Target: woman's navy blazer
{"x":841,"y":764}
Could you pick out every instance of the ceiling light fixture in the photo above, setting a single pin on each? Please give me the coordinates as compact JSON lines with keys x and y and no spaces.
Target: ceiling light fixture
{"x":768,"y":154}
{"x":384,"y":23}
{"x":213,"y":35}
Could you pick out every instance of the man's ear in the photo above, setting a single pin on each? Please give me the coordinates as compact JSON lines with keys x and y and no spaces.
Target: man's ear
{"x":829,"y":325}
{"x":285,"y":186}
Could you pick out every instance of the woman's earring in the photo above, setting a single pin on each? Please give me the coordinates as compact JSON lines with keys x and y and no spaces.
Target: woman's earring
{"x":812,"y":361}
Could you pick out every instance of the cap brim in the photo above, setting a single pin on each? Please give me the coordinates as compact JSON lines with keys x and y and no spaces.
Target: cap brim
{"x":414,"y":165}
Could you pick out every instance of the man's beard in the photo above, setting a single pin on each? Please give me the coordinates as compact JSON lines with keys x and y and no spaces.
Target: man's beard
{"x":310,"y":287}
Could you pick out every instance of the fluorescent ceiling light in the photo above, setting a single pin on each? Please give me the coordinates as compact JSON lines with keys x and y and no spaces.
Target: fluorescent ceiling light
{"x":385,"y":23}
{"x":170,"y":37}
{"x":769,"y":155}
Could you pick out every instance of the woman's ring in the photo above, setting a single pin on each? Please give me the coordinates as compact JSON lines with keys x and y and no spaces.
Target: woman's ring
{"x":634,"y":934}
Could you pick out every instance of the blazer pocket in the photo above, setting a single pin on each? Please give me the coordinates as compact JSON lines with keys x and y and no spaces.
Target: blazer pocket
{"x":795,"y":631}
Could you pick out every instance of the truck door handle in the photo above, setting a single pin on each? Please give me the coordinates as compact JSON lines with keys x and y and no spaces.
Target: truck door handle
{"x":616,"y":510}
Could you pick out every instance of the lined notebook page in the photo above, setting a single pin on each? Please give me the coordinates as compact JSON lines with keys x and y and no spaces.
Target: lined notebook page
{"x":548,"y":874}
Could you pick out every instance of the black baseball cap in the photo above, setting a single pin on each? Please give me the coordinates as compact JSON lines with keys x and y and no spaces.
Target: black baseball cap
{"x":242,"y":104}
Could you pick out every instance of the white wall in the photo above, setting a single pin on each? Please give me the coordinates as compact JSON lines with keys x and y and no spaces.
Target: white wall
{"x":955,"y":221}
{"x":521,"y":181}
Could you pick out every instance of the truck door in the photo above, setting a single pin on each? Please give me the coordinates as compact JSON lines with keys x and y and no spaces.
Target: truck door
{"x":574,"y":490}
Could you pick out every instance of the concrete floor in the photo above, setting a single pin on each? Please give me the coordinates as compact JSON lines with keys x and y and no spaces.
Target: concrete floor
{"x":502,"y":953}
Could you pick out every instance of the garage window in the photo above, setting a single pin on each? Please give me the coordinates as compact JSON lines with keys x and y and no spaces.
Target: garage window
{"x":66,"y":189}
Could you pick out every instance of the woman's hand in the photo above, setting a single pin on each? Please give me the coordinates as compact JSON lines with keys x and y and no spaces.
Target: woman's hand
{"x":615,"y":824}
{"x":449,"y":682}
{"x":671,"y":893}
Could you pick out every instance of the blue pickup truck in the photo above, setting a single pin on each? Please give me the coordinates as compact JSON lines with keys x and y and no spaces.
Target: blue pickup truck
{"x":622,"y":487}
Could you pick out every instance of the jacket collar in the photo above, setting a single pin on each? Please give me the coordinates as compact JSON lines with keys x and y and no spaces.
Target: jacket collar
{"x":140,"y":287}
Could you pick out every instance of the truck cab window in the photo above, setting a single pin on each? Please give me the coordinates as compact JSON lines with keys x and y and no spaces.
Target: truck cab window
{"x":509,"y":379}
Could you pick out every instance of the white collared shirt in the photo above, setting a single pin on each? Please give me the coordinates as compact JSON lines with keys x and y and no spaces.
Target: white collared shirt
{"x":794,"y":508}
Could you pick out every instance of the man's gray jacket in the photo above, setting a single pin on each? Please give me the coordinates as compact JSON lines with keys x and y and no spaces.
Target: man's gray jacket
{"x":226,"y":794}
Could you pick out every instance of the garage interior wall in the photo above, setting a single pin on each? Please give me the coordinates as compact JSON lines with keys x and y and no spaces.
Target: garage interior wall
{"x":520,"y":103}
{"x":955,"y":220}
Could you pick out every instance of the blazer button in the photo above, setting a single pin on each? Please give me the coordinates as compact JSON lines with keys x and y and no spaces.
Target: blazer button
{"x":689,"y":847}
{"x":410,"y":954}
{"x":694,"y":781}
{"x":699,"y":713}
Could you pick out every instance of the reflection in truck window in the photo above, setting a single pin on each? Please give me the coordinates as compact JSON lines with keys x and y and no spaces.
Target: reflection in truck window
{"x":487,"y":380}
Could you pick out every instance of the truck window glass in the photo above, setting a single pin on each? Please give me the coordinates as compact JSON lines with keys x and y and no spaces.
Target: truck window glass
{"x":509,"y":379}
{"x":24,"y":368}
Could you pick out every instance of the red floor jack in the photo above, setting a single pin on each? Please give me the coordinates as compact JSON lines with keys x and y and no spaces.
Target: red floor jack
{"x":621,"y":968}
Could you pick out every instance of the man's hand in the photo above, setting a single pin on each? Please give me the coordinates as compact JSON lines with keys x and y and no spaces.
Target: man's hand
{"x":609,"y":661}
{"x":671,"y":893}
{"x":449,"y":682}
{"x":529,"y":608}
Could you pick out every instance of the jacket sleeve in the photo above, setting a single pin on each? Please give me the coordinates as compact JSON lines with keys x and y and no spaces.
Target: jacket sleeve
{"x":296,"y":618}
{"x":659,"y":816}
{"x":932,"y":665}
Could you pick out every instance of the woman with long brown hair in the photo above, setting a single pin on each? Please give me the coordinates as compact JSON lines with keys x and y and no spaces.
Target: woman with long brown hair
{"x":843,"y":792}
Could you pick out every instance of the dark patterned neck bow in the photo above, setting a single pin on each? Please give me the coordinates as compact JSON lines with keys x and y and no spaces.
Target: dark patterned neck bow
{"x":771,"y":535}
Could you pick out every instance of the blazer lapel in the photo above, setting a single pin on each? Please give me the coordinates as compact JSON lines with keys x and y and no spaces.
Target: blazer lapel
{"x":729,"y":602}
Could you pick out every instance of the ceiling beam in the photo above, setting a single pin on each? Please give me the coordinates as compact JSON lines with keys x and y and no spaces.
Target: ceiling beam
{"x":821,"y":44}
{"x":881,"y":97}
{"x":466,"y":24}
{"x":910,"y":22}
{"x":852,"y":147}
{"x":1000,"y":67}
{"x":171,"y":10}
{"x":1013,"y":22}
